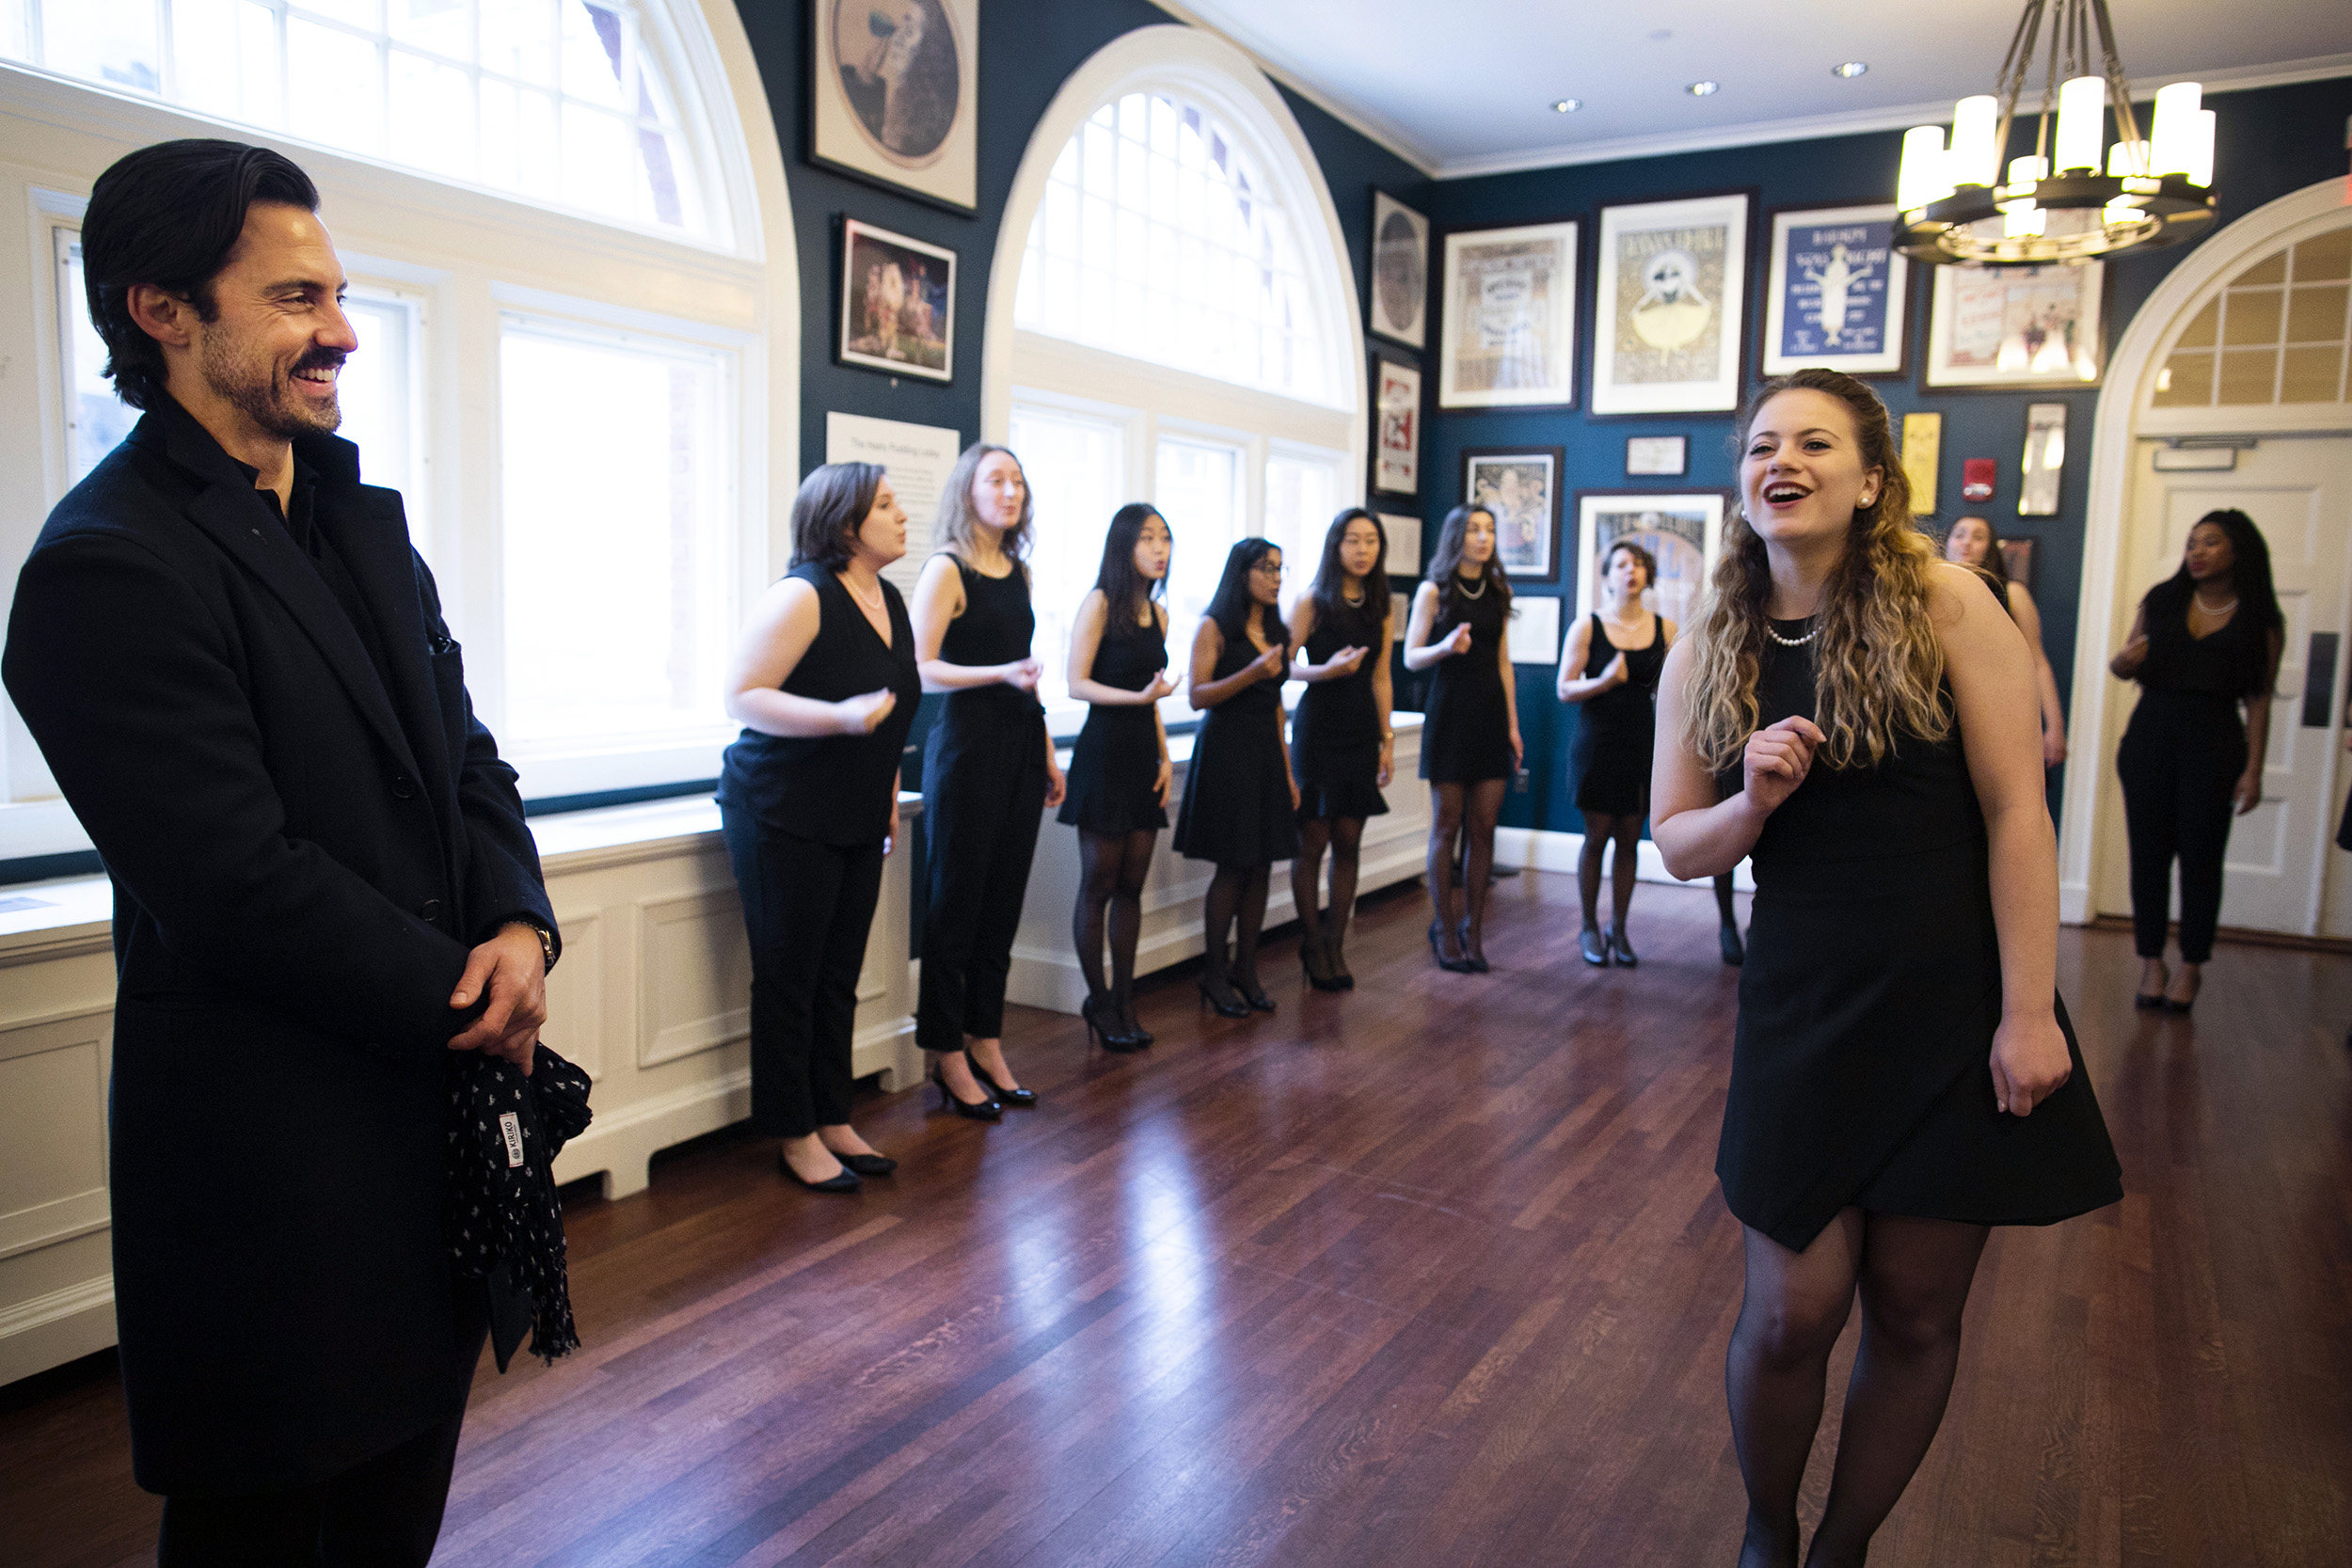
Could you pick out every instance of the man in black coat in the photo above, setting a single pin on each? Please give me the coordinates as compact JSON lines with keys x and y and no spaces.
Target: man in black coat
{"x":237,"y":668}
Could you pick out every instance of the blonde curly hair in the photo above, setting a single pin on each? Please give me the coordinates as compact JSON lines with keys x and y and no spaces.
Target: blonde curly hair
{"x":1877,"y":663}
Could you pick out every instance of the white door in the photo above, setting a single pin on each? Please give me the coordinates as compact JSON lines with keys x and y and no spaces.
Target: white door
{"x":2281,"y":854}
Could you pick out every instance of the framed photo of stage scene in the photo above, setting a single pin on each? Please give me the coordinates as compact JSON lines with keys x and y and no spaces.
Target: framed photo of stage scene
{"x":1396,"y":428}
{"x":1507,"y":337}
{"x":894,"y":95}
{"x":1521,"y":487}
{"x":1399,"y":271}
{"x":1682,"y":530}
{"x":897,"y":304}
{"x":1669,"y":305}
{"x":1837,"y":296}
{"x":2016,"y":327}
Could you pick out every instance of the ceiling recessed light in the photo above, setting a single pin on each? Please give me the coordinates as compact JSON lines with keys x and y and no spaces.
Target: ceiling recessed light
{"x":1703,"y":90}
{"x":1567,"y":105}
{"x":1850,"y":69}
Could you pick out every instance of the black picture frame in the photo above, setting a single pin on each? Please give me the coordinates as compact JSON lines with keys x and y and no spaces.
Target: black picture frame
{"x":1406,"y":257}
{"x":1742,"y":341}
{"x":833,"y":142}
{"x":921,"y":322}
{"x":1918,"y":280}
{"x":1526,"y":559}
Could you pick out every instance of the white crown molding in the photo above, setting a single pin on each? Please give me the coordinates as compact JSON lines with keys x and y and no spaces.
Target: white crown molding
{"x":1855,"y":122}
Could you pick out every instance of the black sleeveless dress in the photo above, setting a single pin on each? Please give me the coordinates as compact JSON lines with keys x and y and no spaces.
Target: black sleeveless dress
{"x":1860,"y":1075}
{"x":1466,"y":732}
{"x":1236,"y":809}
{"x":1335,"y":732}
{"x":1614,"y":731}
{"x":1116,"y":763}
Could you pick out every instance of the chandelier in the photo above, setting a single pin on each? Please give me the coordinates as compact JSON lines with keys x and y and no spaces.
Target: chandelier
{"x":2075,"y":197}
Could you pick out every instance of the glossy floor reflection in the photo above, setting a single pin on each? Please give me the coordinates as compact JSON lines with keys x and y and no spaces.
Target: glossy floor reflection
{"x":1434,"y":1272}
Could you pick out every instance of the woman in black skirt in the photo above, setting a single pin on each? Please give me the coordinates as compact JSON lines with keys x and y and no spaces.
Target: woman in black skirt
{"x":1239,"y":800}
{"x":1859,"y":717}
{"x":825,"y":687}
{"x":1469,"y":734}
{"x":2205,"y":646}
{"x":1609,"y":666}
{"x":988,"y":774}
{"x":1118,"y":770}
{"x":1342,"y":748}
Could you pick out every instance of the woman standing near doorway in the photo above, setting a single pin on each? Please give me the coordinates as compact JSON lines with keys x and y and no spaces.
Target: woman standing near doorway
{"x":1972,"y":542}
{"x":988,"y":774}
{"x":1611,"y":666}
{"x":2205,"y":646}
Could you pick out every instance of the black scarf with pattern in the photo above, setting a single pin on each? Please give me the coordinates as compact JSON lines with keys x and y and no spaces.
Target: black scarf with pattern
{"x":503,"y":1222}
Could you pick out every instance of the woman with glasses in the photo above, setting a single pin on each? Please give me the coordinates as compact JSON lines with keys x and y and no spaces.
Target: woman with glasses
{"x":1239,"y":800}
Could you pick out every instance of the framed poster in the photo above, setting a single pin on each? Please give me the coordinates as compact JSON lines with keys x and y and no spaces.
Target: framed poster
{"x":1507,"y":338}
{"x":1683,"y":531}
{"x":898,"y":303}
{"x":1403,"y":531}
{"x":1668,"y":455}
{"x":2045,"y":462}
{"x":1396,"y":433}
{"x":894,"y":95}
{"x":2016,"y":327}
{"x":1922,"y":456}
{"x":1399,"y":271}
{"x":1837,"y":296}
{"x":1521,"y":487}
{"x":1533,"y":634}
{"x":1668,"y":313}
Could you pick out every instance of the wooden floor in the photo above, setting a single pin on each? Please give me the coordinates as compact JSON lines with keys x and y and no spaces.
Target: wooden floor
{"x":1433,"y":1274}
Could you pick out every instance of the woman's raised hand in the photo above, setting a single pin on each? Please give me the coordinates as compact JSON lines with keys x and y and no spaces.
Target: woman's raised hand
{"x":1270,"y":664}
{"x":863,"y":715}
{"x":1457,"y":641}
{"x":1777,"y":759}
{"x":1614,"y":674}
{"x":1345,"y":662}
{"x":1021,"y":674}
{"x":1162,"y":685}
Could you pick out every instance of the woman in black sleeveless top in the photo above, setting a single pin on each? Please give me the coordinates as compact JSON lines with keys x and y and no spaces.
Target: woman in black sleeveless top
{"x":988,"y":775}
{"x":2205,"y":645}
{"x":1240,"y":804}
{"x":1903,"y":1076}
{"x":1469,"y":734}
{"x":1118,"y":769}
{"x":1613,"y":674}
{"x":825,"y":686}
{"x":1342,"y":745}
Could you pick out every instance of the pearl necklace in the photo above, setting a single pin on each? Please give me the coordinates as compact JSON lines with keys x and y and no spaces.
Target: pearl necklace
{"x":2212,"y":610}
{"x":1792,"y":642}
{"x":875,"y":602}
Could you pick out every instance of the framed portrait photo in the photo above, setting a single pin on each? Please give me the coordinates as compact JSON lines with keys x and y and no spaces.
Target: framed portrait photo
{"x":1683,"y":531}
{"x":1396,"y":428}
{"x":1670,"y":303}
{"x":1836,"y":296}
{"x":2016,"y":327}
{"x":1399,"y":271}
{"x":897,"y":304}
{"x":1507,"y":337}
{"x":894,"y":95}
{"x":1521,"y":487}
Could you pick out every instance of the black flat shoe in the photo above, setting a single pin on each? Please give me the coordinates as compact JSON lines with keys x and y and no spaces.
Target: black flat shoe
{"x":1621,"y":950}
{"x":1025,"y":1098}
{"x":1452,"y":966}
{"x":868,"y":1164}
{"x":987,"y":1110}
{"x":1596,"y":951}
{"x":1734,"y":951}
{"x":1226,"y":1005}
{"x":846,"y":1181}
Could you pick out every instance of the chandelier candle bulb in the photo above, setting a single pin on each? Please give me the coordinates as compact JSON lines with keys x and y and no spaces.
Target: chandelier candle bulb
{"x":2173,"y":141}
{"x":2128,"y":160}
{"x":2199,"y":170}
{"x":1975,"y":161}
{"x":1924,"y":176}
{"x":2081,"y":123}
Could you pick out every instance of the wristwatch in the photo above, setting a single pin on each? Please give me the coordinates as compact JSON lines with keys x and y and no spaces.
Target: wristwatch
{"x":547,"y":938}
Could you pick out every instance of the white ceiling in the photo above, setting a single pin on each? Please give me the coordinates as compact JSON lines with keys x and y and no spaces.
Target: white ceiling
{"x":1466,"y":86}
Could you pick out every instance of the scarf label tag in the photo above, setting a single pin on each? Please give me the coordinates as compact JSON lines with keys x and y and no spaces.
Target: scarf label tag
{"x":512,"y":1125}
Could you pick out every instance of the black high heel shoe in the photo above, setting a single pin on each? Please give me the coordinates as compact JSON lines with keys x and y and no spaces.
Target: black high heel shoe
{"x":1620,"y":949}
{"x":1595,"y":948}
{"x":845,"y":1181}
{"x":1253,"y":993}
{"x":1474,"y":961}
{"x":1340,"y":975}
{"x":1024,"y":1099}
{"x":1452,"y":966}
{"x":1099,"y":1033}
{"x":1225,"y":1005}
{"x":1734,"y":951}
{"x":987,"y":1110}
{"x":1314,"y":958}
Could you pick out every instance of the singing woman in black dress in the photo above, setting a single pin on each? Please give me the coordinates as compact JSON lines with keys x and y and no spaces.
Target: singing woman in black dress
{"x":825,"y":687}
{"x":1859,"y":718}
{"x":988,"y":774}
{"x":2205,"y":646}
{"x":1469,"y":734}
{"x":1118,"y":769}
{"x":1342,"y":748}
{"x":1609,"y":666}
{"x":1239,"y":800}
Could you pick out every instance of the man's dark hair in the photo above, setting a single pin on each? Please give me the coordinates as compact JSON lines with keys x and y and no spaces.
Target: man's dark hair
{"x":830,"y":510}
{"x":168,"y":216}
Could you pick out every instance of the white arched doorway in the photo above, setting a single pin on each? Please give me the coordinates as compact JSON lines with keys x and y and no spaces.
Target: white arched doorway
{"x":2236,"y":361}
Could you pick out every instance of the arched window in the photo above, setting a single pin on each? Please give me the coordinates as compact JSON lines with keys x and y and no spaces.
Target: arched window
{"x":2277,"y":332}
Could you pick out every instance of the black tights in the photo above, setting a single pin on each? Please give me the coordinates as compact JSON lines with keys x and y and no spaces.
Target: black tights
{"x":1344,"y":837}
{"x":1111,"y":869}
{"x":1237,"y":902}
{"x":1913,"y":1276}
{"x":1601,"y":829}
{"x":1462,"y":830}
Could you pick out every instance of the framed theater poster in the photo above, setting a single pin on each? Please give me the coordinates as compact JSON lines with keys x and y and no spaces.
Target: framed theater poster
{"x":1507,"y":338}
{"x":1683,"y":531}
{"x":895,"y":94}
{"x":1520,"y":488}
{"x":1837,"y":293}
{"x":898,"y":303}
{"x":1669,"y":305}
{"x":1399,"y":271}
{"x":1396,"y":434}
{"x":2016,"y":327}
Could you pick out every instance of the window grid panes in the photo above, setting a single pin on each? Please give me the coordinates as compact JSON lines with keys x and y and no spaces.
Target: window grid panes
{"x":1159,"y":237}
{"x":1302,"y":492}
{"x":1197,"y":488}
{"x":556,"y":101}
{"x":1076,"y":468}
{"x":2279,"y":333}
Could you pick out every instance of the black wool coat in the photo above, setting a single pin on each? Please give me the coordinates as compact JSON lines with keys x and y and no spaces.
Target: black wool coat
{"x":303,"y":852}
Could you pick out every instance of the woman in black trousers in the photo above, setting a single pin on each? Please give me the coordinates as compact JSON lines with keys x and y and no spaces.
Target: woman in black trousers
{"x":2205,"y":644}
{"x":1118,"y":769}
{"x":825,"y":687}
{"x":988,"y":774}
{"x":1342,"y":741}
